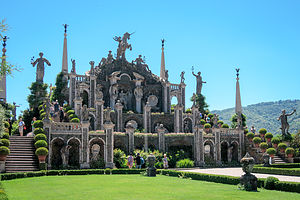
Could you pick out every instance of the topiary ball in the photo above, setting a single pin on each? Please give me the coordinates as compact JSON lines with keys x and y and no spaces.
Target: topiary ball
{"x":42,"y":151}
{"x":269,"y":135}
{"x":4,"y":150}
{"x":270,"y":183}
{"x":282,"y":146}
{"x":271,"y":151}
{"x":40,"y":143}
{"x":250,"y":135}
{"x":38,"y":131}
{"x":5,"y":136}
{"x":263,"y":145}
{"x":70,"y":112}
{"x":38,"y":124}
{"x":256,"y":140}
{"x":207,"y":125}
{"x":40,"y":137}
{"x":289,"y":150}
{"x":225,"y":126}
{"x":4,"y":142}
{"x":262,"y":131}
{"x":75,"y":120}
{"x":275,"y":141}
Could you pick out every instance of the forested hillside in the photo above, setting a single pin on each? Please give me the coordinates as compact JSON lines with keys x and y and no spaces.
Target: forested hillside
{"x":264,"y":115}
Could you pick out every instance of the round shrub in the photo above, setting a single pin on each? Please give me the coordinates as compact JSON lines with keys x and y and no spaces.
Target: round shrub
{"x":6,"y":124}
{"x":70,"y":112}
{"x":271,"y":151}
{"x":4,"y":142}
{"x":42,"y":111}
{"x":188,"y":110}
{"x":275,"y":141}
{"x":250,"y":135}
{"x":270,"y":183}
{"x":262,"y":131}
{"x":185,"y":163}
{"x":75,"y":120}
{"x":5,"y":136}
{"x":42,"y":115}
{"x":263,"y":145}
{"x":202,"y":122}
{"x":42,"y":151}
{"x":246,"y":131}
{"x":256,"y":140}
{"x":72,"y":116}
{"x":67,"y":108}
{"x":269,"y":135}
{"x":207,"y":125}
{"x":210,"y":115}
{"x":40,"y":107}
{"x":38,"y":124}
{"x":40,"y":143}
{"x":289,"y":150}
{"x":40,"y":137}
{"x":220,"y":122}
{"x":282,"y":146}
{"x":4,"y":150}
{"x":225,"y":126}
{"x":38,"y":131}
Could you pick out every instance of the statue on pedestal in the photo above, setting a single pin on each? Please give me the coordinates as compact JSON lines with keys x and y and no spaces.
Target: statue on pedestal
{"x":40,"y":67}
{"x":85,"y":113}
{"x":199,"y":82}
{"x":182,"y":77}
{"x":73,"y":70}
{"x":65,"y":154}
{"x":284,"y":123}
{"x":123,"y":45}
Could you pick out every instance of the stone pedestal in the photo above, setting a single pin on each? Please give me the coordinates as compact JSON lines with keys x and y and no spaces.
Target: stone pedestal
{"x":92,"y":96}
{"x":119,"y":109}
{"x":99,"y":114}
{"x":161,"y":138}
{"x":130,"y":133}
{"x":151,"y":170}
{"x":199,"y":148}
{"x":138,"y":105}
{"x":178,"y":118}
{"x":77,"y":106}
{"x":109,"y":145}
{"x":182,"y":96}
{"x":72,"y":89}
{"x":85,"y":145}
{"x":2,"y":166}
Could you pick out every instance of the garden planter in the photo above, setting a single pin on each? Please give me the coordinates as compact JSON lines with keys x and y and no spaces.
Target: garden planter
{"x":256,"y":145}
{"x":207,"y":130}
{"x":250,"y":139}
{"x":268,"y":139}
{"x":282,"y":150}
{"x":263,"y":150}
{"x":275,"y":145}
{"x":272,"y":155}
{"x":290,"y":155}
{"x":42,"y":159}
{"x":3,"y":157}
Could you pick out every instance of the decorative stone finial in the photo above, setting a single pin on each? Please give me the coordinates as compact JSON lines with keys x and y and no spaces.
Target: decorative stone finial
{"x":65,"y":26}
{"x":163,"y":43}
{"x":237,"y":72}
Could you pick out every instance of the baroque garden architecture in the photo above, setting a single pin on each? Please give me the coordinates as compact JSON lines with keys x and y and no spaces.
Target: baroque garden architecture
{"x":117,"y":97}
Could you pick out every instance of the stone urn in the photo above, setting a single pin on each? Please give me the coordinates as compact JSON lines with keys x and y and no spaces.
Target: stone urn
{"x":3,"y":157}
{"x":151,"y":170}
{"x":248,"y":180}
{"x":42,"y":158}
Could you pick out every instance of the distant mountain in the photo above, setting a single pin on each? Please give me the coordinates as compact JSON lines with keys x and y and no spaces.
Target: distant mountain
{"x":264,"y":115}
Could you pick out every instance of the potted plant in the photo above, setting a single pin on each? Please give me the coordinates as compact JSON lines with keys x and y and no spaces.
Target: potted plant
{"x":282,"y":147}
{"x":256,"y":141}
{"x":262,"y":132}
{"x":271,"y":152}
{"x":4,"y":151}
{"x":207,"y":127}
{"x":250,"y":136}
{"x":275,"y":142}
{"x":41,"y":153}
{"x":263,"y":146}
{"x":289,"y":152}
{"x":269,"y":137}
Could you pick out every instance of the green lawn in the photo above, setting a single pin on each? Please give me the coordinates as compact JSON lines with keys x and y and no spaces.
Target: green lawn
{"x":129,"y":187}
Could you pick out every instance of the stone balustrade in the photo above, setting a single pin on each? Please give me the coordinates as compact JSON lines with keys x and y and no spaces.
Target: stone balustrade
{"x":174,"y":87}
{"x":82,"y":78}
{"x":65,"y":127}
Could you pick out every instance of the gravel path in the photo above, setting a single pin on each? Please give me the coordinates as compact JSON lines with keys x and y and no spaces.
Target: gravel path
{"x":238,"y":172}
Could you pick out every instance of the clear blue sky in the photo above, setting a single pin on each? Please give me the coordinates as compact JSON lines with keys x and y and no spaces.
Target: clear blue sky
{"x":260,"y":37}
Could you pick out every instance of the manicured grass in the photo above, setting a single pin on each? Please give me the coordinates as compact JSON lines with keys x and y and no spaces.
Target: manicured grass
{"x":129,"y":187}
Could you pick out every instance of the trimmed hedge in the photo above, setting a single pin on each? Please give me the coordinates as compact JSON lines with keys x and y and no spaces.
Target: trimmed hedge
{"x":4,"y":150}
{"x":5,"y":136}
{"x":40,"y":143}
{"x":225,"y":126}
{"x":289,"y":150}
{"x":250,"y":135}
{"x":38,"y":124}
{"x":42,"y":151}
{"x":271,"y":151}
{"x":75,"y":120}
{"x":278,"y":171}
{"x":262,"y":131}
{"x":263,"y":145}
{"x":40,"y":136}
{"x":282,"y":146}
{"x":4,"y":142}
{"x":70,"y":112}
{"x":285,"y":165}
{"x":38,"y":131}
{"x":275,"y":141}
{"x":256,"y":140}
{"x":207,"y":125}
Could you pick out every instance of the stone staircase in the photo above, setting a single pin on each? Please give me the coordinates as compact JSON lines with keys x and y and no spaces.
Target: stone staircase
{"x":22,"y":156}
{"x":278,"y":160}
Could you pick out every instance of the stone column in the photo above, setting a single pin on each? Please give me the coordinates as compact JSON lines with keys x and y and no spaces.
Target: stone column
{"x":165,"y":98}
{"x":199,"y":148}
{"x":77,"y":106}
{"x":182,"y":90}
{"x":218,"y":148}
{"x":146,"y":143}
{"x":130,"y":132}
{"x":178,"y":118}
{"x":109,"y":145}
{"x":168,"y":93}
{"x":138,"y":104}
{"x":147,"y":118}
{"x":99,"y":114}
{"x":92,"y":96}
{"x":72,"y":89}
{"x":119,"y":109}
{"x":161,"y":138}
{"x":85,"y":145}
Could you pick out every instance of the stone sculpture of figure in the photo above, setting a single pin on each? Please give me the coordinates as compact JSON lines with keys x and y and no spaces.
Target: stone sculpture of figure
{"x":47,"y":106}
{"x":84,"y":113}
{"x":186,"y":127}
{"x":138,"y":92}
{"x":199,"y":82}
{"x":99,"y":93}
{"x":123,"y":99}
{"x":139,"y":61}
{"x":215,"y":120}
{"x":107,"y":118}
{"x":284,"y":123}
{"x":167,"y":75}
{"x":65,"y":154}
{"x":110,"y":57}
{"x":73,"y":70}
{"x":40,"y":67}
{"x":123,"y":45}
{"x":92,"y":70}
{"x":113,"y":91}
{"x":182,"y":77}
{"x":229,"y":153}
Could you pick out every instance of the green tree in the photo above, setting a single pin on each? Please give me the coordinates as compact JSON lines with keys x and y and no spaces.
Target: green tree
{"x":200,"y":102}
{"x":234,"y":120}
{"x":59,"y":91}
